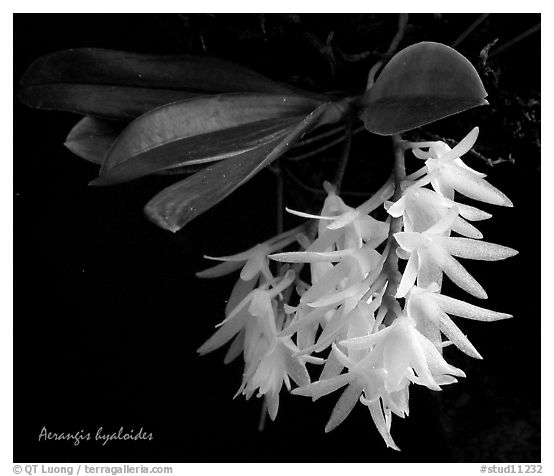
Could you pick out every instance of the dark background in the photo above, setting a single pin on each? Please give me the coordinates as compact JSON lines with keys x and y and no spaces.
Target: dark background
{"x":109,"y":313}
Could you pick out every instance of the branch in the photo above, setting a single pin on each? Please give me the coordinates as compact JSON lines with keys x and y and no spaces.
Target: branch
{"x":515,"y":40}
{"x":402,"y":24}
{"x":324,"y":147}
{"x":469,"y":30}
{"x":319,"y":136}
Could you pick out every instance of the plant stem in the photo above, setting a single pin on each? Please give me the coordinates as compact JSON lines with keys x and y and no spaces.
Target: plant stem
{"x":280,"y":197}
{"x":402,"y":24}
{"x":319,"y":136}
{"x":469,"y":30}
{"x":513,"y":41}
{"x":390,"y":267}
{"x":399,"y":167}
{"x":263,"y":416}
{"x":343,"y":161}
{"x":323,"y":147}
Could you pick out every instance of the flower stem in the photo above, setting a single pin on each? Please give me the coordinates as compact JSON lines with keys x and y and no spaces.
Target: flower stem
{"x":343,"y":161}
{"x":399,"y":167}
{"x":280,"y":197}
{"x":263,"y":416}
{"x":390,"y":266}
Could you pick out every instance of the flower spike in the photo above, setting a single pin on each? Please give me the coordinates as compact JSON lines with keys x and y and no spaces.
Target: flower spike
{"x":375,"y":330}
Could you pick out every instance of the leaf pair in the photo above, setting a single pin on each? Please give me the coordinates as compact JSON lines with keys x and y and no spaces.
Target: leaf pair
{"x":183,"y":125}
{"x":248,"y":130}
{"x":178,"y":204}
{"x":200,"y":130}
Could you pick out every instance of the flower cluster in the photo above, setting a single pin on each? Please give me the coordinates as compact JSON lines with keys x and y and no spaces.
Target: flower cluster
{"x":377,"y":331}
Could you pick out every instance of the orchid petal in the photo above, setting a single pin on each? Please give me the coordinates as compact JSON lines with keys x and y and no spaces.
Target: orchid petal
{"x":366,"y":341}
{"x":311,"y":256}
{"x":343,"y":220}
{"x":479,"y":250}
{"x":409,"y":276}
{"x":452,"y":332}
{"x":219,"y":270}
{"x":420,"y":154}
{"x":241,"y":289}
{"x":443,"y":188}
{"x":344,"y":405}
{"x":272,"y":401}
{"x":435,"y":360}
{"x":429,"y":271}
{"x":332,"y":367}
{"x":343,"y":359}
{"x":379,"y":420}
{"x":328,"y":282}
{"x":297,"y":371}
{"x":409,"y":240}
{"x":305,"y":337}
{"x":471,"y":186}
{"x":225,"y":333}
{"x":305,"y":320}
{"x":308,"y":215}
{"x":463,"y":146}
{"x":471,"y":213}
{"x":459,"y":162}
{"x":323,"y":387}
{"x":465,"y":228}
{"x":444,"y":224}
{"x":469,"y":311}
{"x":459,"y":275}
{"x":397,"y":209}
{"x":235,"y":348}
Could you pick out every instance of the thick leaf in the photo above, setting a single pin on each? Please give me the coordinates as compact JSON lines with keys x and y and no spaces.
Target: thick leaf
{"x":111,"y":102}
{"x":91,"y":138}
{"x":202,"y":129}
{"x":199,"y":149}
{"x":422,"y":83}
{"x":117,"y":84}
{"x":178,"y":204}
{"x":184,"y":72}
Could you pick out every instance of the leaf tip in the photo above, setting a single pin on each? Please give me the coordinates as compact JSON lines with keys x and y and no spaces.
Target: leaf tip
{"x":99,"y":181}
{"x":162,"y":220}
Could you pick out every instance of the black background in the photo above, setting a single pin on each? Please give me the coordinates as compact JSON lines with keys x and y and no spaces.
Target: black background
{"x":108,"y":313}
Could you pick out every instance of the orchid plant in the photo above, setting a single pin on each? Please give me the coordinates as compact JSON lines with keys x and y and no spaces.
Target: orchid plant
{"x":350,"y":310}
{"x":347,"y":301}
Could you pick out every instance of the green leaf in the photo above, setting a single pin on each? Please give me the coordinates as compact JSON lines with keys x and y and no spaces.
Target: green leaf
{"x":200,"y":149}
{"x":178,"y":204}
{"x":117,"y":84}
{"x":421,"y":84}
{"x":200,"y":130}
{"x":91,"y":138}
{"x":110,"y":102}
